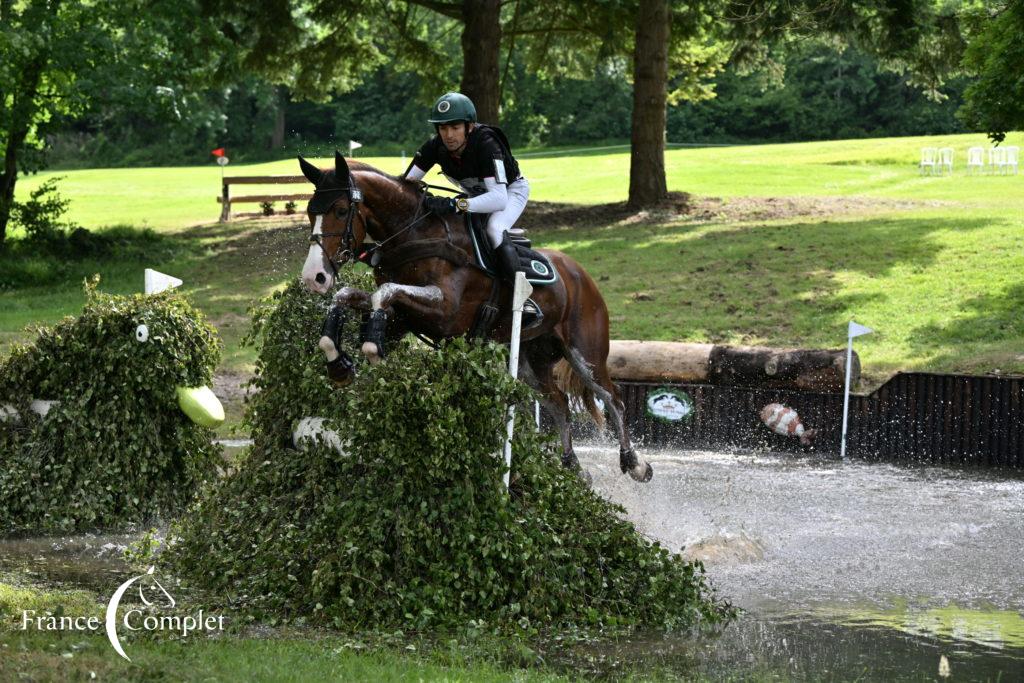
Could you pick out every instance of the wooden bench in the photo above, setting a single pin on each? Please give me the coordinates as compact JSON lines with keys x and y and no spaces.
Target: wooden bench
{"x":226,"y":200}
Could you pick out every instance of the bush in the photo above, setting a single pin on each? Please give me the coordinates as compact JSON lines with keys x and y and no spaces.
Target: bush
{"x":41,"y":215}
{"x":413,"y":527}
{"x":28,"y":263}
{"x":115,"y":448}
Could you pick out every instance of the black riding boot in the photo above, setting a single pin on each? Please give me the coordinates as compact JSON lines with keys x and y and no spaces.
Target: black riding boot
{"x":508,"y":264}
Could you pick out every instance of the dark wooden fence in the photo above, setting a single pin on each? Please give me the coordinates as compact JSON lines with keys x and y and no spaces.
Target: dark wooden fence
{"x":914,"y":417}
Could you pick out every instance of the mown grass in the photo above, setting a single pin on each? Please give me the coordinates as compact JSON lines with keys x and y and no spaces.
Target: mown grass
{"x":935,"y":267}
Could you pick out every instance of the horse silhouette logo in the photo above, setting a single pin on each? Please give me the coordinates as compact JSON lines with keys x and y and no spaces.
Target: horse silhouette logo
{"x":115,"y":601}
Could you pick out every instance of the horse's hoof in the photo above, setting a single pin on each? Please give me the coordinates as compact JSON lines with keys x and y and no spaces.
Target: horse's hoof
{"x":371,"y":352}
{"x":341,"y":370}
{"x":645,"y":476}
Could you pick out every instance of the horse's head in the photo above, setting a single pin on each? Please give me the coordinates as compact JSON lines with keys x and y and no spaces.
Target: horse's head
{"x":337,"y":220}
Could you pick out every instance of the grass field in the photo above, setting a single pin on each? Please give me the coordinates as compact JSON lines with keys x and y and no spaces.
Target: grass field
{"x":804,"y":237}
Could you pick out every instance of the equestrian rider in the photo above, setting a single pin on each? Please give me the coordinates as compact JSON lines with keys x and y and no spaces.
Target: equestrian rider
{"x":477,"y":158}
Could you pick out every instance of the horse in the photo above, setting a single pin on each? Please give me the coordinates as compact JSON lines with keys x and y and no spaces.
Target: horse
{"x":429,"y":284}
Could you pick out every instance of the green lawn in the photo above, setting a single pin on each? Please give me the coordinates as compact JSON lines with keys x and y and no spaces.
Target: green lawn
{"x":933,"y":264}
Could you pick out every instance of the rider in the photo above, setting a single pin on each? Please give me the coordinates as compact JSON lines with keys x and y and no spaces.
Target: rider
{"x":477,"y":158}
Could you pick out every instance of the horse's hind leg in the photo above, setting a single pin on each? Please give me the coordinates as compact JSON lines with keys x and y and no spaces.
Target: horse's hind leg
{"x":538,"y":373}
{"x":595,"y":377}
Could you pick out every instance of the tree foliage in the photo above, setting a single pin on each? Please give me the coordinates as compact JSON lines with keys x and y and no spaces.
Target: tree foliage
{"x":59,"y":58}
{"x":995,"y":101}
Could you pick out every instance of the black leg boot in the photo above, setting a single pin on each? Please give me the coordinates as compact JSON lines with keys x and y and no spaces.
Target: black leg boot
{"x":508,"y":265}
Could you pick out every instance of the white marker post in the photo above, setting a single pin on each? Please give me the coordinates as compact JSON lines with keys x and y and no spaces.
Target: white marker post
{"x":523,"y":290}
{"x":854,"y":330}
{"x":157,"y":282}
{"x":352,"y":147}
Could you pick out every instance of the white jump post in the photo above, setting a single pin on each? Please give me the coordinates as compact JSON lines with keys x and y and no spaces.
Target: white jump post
{"x":522,"y":292}
{"x":854,"y":330}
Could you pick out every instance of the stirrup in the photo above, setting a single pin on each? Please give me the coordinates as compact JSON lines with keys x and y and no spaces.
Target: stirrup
{"x":532,"y":315}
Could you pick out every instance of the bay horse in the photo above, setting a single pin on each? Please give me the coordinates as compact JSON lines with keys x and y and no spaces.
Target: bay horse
{"x":429,"y":284}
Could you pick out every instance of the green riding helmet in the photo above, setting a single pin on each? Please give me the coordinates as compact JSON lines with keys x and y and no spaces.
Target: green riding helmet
{"x":452,"y":106}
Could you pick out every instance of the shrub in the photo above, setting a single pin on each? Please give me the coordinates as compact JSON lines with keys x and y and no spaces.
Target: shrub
{"x":115,"y":448}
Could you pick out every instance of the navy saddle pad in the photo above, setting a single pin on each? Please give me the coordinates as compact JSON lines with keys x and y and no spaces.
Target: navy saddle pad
{"x":536,"y":265}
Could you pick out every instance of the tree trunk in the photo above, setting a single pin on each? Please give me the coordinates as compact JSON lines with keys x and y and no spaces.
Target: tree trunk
{"x":21,"y":113}
{"x":647,"y":186}
{"x":277,"y":137}
{"x":481,"y":52}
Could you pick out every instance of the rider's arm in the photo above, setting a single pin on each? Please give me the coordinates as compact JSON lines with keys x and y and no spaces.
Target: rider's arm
{"x":494,"y":199}
{"x":414,"y":172}
{"x":424,"y":160}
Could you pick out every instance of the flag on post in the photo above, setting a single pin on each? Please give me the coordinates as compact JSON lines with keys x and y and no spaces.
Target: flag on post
{"x":353,"y":146}
{"x":856,"y":330}
{"x":156,"y":282}
{"x":852,"y":331}
{"x":219,"y":152}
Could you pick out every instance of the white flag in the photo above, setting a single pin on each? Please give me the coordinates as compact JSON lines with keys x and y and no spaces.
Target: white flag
{"x":352,"y":144}
{"x":856,"y":330}
{"x":157,"y":282}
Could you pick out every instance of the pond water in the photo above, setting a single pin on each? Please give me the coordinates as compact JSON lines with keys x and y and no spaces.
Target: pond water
{"x":844,"y":570}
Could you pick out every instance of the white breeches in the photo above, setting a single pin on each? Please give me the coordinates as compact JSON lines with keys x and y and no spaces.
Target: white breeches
{"x":500,"y":221}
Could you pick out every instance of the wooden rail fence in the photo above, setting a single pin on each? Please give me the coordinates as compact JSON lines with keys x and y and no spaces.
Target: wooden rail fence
{"x":226,"y":200}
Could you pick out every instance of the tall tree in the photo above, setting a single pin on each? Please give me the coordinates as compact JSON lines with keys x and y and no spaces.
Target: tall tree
{"x":58,"y":58}
{"x":647,"y":182}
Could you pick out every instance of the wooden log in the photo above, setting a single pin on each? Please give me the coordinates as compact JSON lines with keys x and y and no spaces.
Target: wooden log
{"x":747,"y":366}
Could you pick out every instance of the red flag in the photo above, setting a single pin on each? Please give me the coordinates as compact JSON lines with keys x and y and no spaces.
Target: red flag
{"x":219,"y":152}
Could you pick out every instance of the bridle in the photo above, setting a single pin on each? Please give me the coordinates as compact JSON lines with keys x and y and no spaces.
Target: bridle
{"x":345,"y":249}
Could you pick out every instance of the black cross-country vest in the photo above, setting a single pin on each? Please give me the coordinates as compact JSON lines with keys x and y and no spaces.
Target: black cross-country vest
{"x":487,"y":154}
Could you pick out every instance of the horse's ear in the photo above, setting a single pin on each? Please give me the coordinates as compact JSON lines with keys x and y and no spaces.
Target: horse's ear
{"x":341,"y":171}
{"x":312,"y":173}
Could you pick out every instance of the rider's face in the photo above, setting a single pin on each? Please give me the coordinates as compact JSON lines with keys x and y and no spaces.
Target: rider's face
{"x":453,"y":135}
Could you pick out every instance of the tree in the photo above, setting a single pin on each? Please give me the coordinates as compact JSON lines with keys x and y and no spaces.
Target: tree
{"x":647,"y":183}
{"x":995,"y":54}
{"x":58,"y":58}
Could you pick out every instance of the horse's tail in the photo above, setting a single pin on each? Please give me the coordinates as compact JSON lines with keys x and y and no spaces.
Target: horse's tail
{"x":575,"y":387}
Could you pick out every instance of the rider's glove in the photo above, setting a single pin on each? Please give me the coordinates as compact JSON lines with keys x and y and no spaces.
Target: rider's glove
{"x":440,"y":205}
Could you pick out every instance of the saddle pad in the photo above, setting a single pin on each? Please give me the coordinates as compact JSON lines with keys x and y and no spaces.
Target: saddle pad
{"x":535,"y":265}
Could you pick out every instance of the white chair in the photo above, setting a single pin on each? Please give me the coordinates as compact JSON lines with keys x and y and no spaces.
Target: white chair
{"x":1011,"y":159}
{"x":996,"y":159}
{"x":945,"y":160}
{"x":929,"y":157}
{"x":975,"y":160}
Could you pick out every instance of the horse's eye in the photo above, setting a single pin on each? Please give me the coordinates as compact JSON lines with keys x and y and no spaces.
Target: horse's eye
{"x":339,"y":212}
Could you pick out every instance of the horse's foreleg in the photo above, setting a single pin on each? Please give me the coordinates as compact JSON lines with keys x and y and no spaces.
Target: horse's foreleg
{"x":346,"y":297}
{"x":418,"y":301}
{"x":353,"y":298}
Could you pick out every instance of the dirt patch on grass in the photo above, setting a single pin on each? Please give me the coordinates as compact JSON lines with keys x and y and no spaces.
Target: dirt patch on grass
{"x":681,"y":206}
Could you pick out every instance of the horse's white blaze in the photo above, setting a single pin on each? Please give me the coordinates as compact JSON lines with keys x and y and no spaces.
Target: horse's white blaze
{"x":316,"y":264}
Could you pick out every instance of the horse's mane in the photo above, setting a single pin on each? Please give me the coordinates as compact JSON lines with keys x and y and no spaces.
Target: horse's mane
{"x":408,"y":186}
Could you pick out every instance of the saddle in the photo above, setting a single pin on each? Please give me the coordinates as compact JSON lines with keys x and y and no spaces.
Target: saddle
{"x":537,"y":267}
